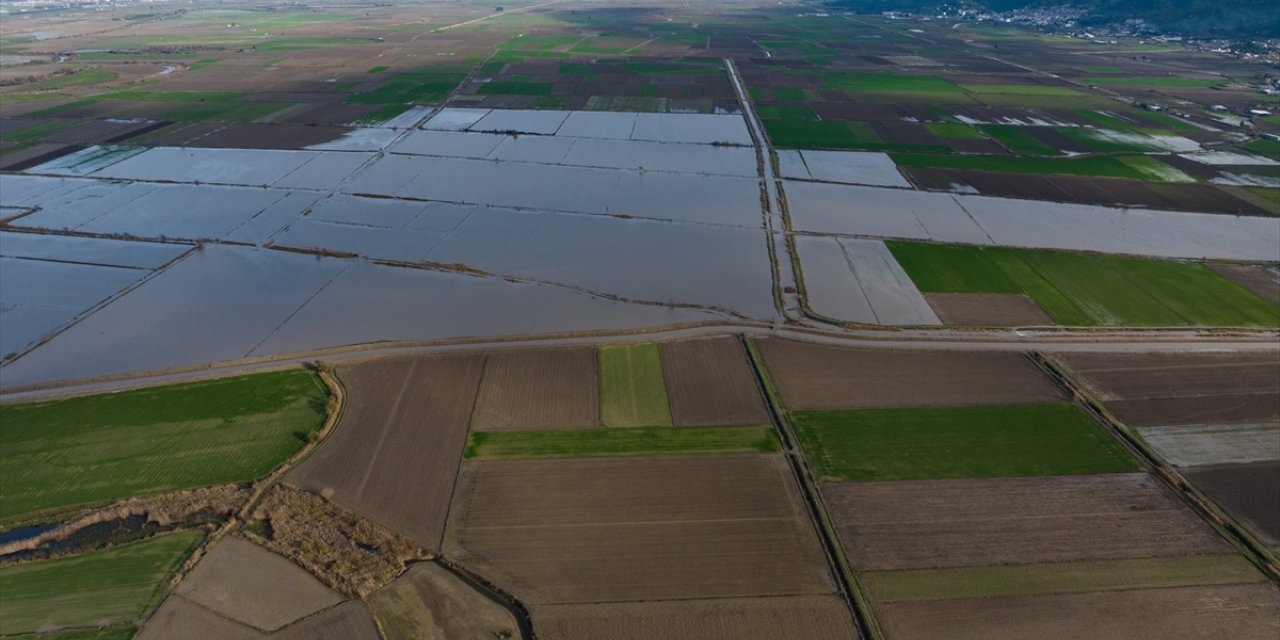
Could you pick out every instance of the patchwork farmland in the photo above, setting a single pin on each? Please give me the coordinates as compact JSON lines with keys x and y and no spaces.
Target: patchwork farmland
{"x":579,"y":320}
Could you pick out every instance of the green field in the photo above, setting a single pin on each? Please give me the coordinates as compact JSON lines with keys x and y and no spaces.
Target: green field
{"x":632,"y":390}
{"x":1269,"y":148}
{"x":833,"y":134}
{"x":117,"y":586}
{"x":856,"y":83}
{"x":1066,"y":577}
{"x":1020,"y":90}
{"x":620,"y":442}
{"x":1081,"y":289}
{"x":1017,"y":140}
{"x":1145,"y":168}
{"x":1154,"y":81}
{"x":516,"y":88}
{"x":856,"y":445}
{"x":955,"y":131}
{"x":91,"y":449}
{"x":428,"y":85}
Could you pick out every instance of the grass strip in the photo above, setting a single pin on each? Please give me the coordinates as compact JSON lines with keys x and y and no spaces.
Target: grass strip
{"x":620,"y":442}
{"x":632,"y":390}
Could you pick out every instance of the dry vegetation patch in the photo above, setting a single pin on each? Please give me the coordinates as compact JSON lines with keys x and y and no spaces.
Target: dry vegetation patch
{"x":345,"y":551}
{"x":394,"y":453}
{"x":811,"y":376}
{"x":633,"y":528}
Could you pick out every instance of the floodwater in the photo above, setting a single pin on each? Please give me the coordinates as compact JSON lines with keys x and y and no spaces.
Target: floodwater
{"x":894,"y":213}
{"x":859,"y":281}
{"x":254,"y":302}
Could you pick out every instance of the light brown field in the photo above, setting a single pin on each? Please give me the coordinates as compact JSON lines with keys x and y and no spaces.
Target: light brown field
{"x":987,"y":309}
{"x":1158,"y":389}
{"x":1239,"y":612}
{"x":181,"y":618}
{"x":709,"y":382}
{"x":539,"y":389}
{"x":809,"y":617}
{"x":394,"y":455}
{"x":1261,"y":280}
{"x":1249,"y":492}
{"x":820,"y":377}
{"x":642,"y":528}
{"x":249,"y":584}
{"x":430,"y":603}
{"x":973,"y":522}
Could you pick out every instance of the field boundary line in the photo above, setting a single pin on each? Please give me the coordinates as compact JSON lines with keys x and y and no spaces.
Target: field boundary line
{"x":837,"y":560}
{"x":1208,"y":510}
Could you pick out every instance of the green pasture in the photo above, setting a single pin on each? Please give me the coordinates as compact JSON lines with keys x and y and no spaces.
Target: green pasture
{"x":1018,"y":140}
{"x":115,"y":586}
{"x":620,"y":442}
{"x":1080,"y":289}
{"x":632,"y":390}
{"x":91,"y":449}
{"x":854,"y":445}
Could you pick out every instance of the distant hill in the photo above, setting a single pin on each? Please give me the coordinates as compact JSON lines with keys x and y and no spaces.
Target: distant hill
{"x":1205,"y":18}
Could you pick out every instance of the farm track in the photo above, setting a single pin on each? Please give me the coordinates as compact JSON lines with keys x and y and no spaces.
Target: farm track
{"x":1102,"y":341}
{"x":838,"y":562}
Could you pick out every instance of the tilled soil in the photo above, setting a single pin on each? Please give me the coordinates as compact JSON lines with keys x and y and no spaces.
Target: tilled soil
{"x":987,"y":309}
{"x":642,"y":528}
{"x":1240,"y":612}
{"x":1249,"y":492}
{"x":1158,"y":389}
{"x":809,"y":617}
{"x":709,"y":382}
{"x":955,"y":523}
{"x":249,"y":584}
{"x":820,"y":377}
{"x":395,"y":453}
{"x":539,"y":389}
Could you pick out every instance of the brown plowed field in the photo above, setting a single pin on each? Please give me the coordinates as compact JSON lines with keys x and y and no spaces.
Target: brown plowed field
{"x":643,"y":528}
{"x":956,"y":523}
{"x":987,"y":309}
{"x":539,"y":389}
{"x":394,"y":455}
{"x":1239,"y":612}
{"x":1157,"y":389}
{"x":249,"y":584}
{"x":1262,"y":281}
{"x":347,"y":621}
{"x":181,"y":618}
{"x":808,"y":617}
{"x":709,"y":382}
{"x":820,"y":377}
{"x":269,"y":136}
{"x":1249,"y":492}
